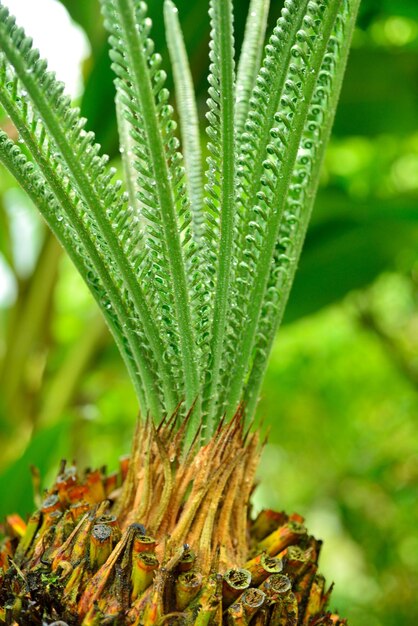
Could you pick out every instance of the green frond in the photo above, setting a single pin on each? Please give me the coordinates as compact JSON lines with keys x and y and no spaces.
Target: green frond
{"x":46,"y":121}
{"x":55,"y":215}
{"x":192,"y":281}
{"x":296,"y":89}
{"x":250,"y":59}
{"x":252,"y":143}
{"x":163,"y":196}
{"x":263,"y":105}
{"x":305,"y":180}
{"x":187,"y":110}
{"x":220,"y":187}
{"x":126,"y":148}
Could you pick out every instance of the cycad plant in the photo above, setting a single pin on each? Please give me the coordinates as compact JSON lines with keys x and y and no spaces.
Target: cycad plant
{"x":191,"y":266}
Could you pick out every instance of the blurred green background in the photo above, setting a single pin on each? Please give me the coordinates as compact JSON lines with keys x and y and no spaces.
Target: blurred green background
{"x":341,"y":394}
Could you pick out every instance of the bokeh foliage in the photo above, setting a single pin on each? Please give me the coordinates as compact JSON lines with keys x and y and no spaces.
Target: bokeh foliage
{"x":341,"y":395}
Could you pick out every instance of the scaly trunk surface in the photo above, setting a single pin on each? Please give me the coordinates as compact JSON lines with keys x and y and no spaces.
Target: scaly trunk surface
{"x":167,"y":539}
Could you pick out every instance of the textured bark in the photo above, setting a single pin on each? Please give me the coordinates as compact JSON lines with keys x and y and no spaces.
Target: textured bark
{"x":168,"y":539}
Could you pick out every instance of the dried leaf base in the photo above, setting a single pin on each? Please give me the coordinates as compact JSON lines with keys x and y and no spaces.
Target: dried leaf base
{"x":166,"y":540}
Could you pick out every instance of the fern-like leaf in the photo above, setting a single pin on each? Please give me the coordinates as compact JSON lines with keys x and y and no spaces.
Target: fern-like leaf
{"x":250,"y":59}
{"x":41,"y":110}
{"x":305,"y":179}
{"x":296,"y":89}
{"x":163,"y":194}
{"x":54,"y":209}
{"x":262,"y":106}
{"x":192,"y":282}
{"x":187,"y":109}
{"x":221,"y":177}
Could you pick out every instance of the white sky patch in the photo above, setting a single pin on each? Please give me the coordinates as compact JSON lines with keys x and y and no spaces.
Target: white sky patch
{"x":57,"y":37}
{"x":64,"y":44}
{"x":8,"y":287}
{"x":25,"y":229}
